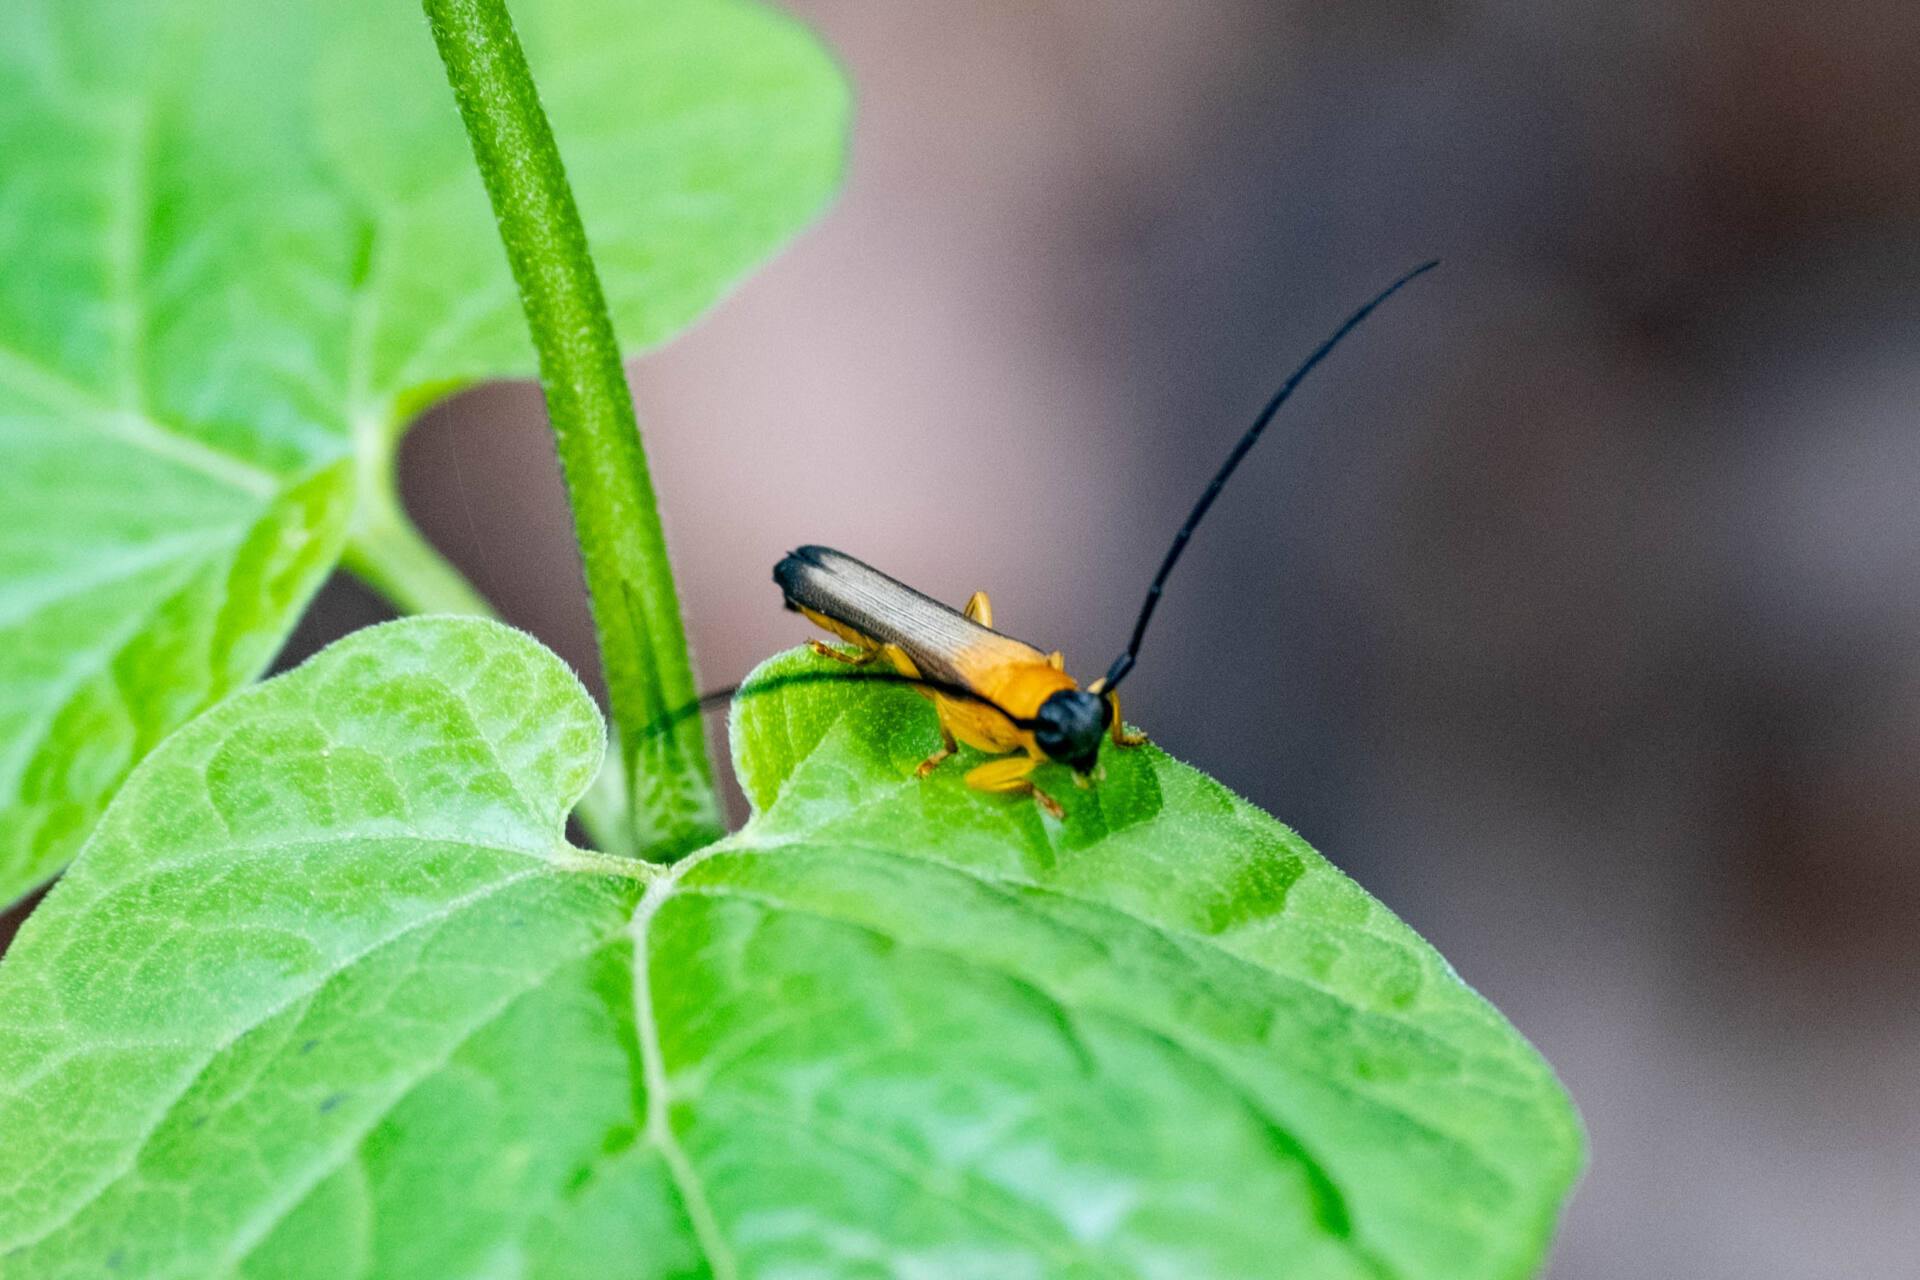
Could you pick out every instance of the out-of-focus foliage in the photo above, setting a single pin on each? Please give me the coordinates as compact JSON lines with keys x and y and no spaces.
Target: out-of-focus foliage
{"x":242,"y":242}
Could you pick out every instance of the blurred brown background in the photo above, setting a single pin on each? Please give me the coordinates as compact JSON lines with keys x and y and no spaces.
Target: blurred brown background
{"x":1573,"y":608}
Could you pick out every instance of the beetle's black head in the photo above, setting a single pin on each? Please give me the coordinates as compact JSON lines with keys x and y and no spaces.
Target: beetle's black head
{"x":1069,"y":727}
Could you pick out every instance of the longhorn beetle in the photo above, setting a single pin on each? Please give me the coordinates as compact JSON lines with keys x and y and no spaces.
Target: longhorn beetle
{"x":990,"y":691}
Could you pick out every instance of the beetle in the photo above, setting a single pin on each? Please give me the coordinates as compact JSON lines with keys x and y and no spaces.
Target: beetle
{"x":990,"y":691}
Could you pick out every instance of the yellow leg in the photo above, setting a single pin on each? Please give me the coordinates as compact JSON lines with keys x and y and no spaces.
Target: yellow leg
{"x":1121,"y":738}
{"x":979,"y":608}
{"x":894,"y":654}
{"x":947,"y":747}
{"x":858,"y":658}
{"x":1009,"y":777}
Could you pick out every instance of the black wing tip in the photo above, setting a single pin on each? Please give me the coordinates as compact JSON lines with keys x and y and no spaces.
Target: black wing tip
{"x":795,"y":567}
{"x":786,"y":574}
{"x":809,"y":556}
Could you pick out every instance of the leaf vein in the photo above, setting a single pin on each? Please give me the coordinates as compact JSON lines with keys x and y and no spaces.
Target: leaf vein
{"x":254,"y":1232}
{"x":721,"y":1263}
{"x":120,"y":1168}
{"x":1183,"y":940}
{"x":1065,"y":1249}
{"x":53,"y":391}
{"x":1125,"y":1015}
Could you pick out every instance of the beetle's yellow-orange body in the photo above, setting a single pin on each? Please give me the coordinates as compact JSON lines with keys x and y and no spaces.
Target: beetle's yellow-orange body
{"x":1008,"y":680}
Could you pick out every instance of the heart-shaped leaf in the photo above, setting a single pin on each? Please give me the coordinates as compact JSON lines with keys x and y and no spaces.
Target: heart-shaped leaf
{"x":241,"y":240}
{"x":328,"y":994}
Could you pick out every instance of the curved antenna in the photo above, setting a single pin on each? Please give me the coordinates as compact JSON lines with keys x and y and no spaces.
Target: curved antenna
{"x":1124,"y":663}
{"x":716,"y":698}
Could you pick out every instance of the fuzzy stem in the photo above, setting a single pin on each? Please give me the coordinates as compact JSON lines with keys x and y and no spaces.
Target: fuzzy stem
{"x":635,"y":611}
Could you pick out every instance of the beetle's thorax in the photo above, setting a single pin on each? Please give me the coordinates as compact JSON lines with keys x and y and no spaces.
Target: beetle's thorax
{"x":1021,"y":688}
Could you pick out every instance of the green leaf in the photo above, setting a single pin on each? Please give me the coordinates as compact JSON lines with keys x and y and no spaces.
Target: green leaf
{"x":327,"y":994}
{"x":242,"y":242}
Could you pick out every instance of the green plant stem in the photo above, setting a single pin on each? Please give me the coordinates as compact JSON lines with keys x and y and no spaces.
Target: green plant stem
{"x":643,"y":649}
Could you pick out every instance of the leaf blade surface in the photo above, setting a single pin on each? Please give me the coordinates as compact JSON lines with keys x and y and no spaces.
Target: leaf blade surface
{"x":891,"y":1027}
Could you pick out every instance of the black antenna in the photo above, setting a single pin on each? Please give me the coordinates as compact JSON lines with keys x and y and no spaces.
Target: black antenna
{"x":716,"y":698}
{"x":1124,"y":663}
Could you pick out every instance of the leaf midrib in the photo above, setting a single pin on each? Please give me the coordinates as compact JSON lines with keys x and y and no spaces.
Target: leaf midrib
{"x":74,"y":406}
{"x":658,"y":1124}
{"x":19,"y":604}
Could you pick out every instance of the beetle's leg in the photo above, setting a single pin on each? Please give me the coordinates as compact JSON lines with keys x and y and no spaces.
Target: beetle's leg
{"x":947,"y":747}
{"x":858,"y":658}
{"x":1009,"y":776}
{"x":979,"y":608}
{"x":1121,"y":738}
{"x":894,"y":654}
